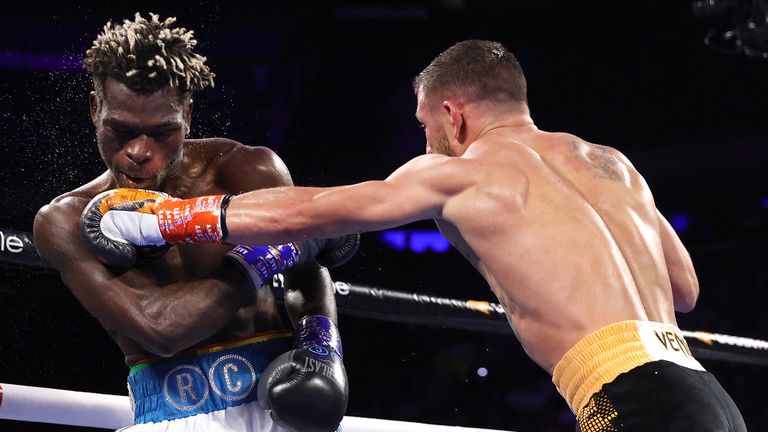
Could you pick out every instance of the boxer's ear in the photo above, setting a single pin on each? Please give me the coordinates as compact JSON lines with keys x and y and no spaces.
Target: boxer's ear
{"x":93,"y":99}
{"x":188,"y":114}
{"x":454,"y":108}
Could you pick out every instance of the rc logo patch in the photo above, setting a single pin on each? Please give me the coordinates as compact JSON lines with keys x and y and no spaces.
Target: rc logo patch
{"x":185,"y":387}
{"x":232,"y":377}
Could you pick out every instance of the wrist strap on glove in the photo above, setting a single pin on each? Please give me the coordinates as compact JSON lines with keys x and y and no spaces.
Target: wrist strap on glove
{"x":193,"y":220}
{"x":317,"y":332}
{"x":264,"y":262}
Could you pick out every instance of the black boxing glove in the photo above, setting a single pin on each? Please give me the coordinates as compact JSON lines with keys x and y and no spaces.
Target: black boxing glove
{"x":306,"y":388}
{"x":333,"y":252}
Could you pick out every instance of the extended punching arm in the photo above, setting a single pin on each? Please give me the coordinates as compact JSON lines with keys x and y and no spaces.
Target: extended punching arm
{"x":119,"y":224}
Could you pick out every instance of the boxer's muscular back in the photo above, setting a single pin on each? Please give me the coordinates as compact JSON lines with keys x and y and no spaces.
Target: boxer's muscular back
{"x":567,"y":235}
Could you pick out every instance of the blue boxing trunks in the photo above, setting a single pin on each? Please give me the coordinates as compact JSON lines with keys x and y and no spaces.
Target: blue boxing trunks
{"x":210,"y":389}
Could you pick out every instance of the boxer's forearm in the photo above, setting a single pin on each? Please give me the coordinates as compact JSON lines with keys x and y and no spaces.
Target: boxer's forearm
{"x":281,"y":215}
{"x":186,"y":313}
{"x":264,"y":217}
{"x":308,"y":290}
{"x":271,"y":216}
{"x":163,"y":319}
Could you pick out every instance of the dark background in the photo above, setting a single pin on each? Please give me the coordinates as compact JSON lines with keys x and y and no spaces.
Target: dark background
{"x":328,"y":87}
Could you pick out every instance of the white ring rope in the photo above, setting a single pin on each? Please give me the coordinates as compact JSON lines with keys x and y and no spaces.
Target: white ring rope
{"x":73,"y":408}
{"x":47,"y":405}
{"x":738,"y":341}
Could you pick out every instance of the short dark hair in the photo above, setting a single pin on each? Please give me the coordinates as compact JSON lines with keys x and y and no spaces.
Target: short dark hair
{"x":481,"y":70}
{"x":146,"y":56}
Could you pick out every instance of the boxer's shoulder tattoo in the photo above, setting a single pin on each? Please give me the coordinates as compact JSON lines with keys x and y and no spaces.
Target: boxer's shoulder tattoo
{"x":601,"y":161}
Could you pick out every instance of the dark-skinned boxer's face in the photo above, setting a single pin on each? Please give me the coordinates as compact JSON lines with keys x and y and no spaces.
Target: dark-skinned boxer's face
{"x":140,"y":136}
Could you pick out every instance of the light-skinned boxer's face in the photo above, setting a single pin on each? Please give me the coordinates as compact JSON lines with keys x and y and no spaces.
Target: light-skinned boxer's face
{"x":140,"y":136}
{"x":434,"y":129}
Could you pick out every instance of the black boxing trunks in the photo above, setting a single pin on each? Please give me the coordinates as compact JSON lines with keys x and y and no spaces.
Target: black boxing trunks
{"x":641,"y":376}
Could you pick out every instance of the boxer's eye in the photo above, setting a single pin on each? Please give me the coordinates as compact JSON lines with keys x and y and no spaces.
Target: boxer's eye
{"x":164,"y":135}
{"x":122,"y":133}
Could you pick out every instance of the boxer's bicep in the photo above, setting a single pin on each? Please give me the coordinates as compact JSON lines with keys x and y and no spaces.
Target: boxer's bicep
{"x":96,"y":288}
{"x":427,"y":183}
{"x":411,"y":194}
{"x":375,"y":205}
{"x":682,"y":275}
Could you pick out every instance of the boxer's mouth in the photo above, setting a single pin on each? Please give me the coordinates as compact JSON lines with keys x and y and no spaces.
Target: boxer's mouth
{"x":135,"y":181}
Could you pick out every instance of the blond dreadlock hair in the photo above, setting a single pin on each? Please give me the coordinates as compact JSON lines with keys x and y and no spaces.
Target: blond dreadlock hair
{"x":147,"y":55}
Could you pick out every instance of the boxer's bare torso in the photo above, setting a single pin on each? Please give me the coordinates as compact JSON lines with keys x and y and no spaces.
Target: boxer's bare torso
{"x":565,"y":232}
{"x":210,"y":166}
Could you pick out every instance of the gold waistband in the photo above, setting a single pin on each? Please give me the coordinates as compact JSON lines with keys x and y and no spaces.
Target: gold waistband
{"x":603,"y":355}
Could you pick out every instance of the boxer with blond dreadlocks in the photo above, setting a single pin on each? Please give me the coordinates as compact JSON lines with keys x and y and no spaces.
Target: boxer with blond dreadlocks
{"x":196,"y":326}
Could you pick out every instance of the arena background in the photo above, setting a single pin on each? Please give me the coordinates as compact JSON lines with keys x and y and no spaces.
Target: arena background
{"x":328,"y":87}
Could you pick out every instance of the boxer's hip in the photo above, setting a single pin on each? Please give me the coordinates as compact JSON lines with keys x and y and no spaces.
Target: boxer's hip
{"x":613,"y":350}
{"x":203,"y":380}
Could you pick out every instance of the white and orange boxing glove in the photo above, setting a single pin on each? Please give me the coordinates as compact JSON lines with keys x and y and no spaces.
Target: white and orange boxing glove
{"x":118,"y":224}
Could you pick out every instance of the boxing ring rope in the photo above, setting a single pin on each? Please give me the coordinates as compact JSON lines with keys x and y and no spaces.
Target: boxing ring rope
{"x":36,"y":404}
{"x":72,"y":408}
{"x":17,"y":249}
{"x":474,"y":315}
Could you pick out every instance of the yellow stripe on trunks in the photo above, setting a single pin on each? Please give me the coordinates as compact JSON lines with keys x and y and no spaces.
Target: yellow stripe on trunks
{"x":603,"y":355}
{"x":207,"y":349}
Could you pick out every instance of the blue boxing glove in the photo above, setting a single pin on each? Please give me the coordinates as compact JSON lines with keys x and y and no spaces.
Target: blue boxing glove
{"x":261,"y":263}
{"x":306,"y":388}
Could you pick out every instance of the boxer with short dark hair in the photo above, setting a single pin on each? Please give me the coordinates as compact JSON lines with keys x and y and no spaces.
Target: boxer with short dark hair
{"x":566,"y":233}
{"x":194,"y":322}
